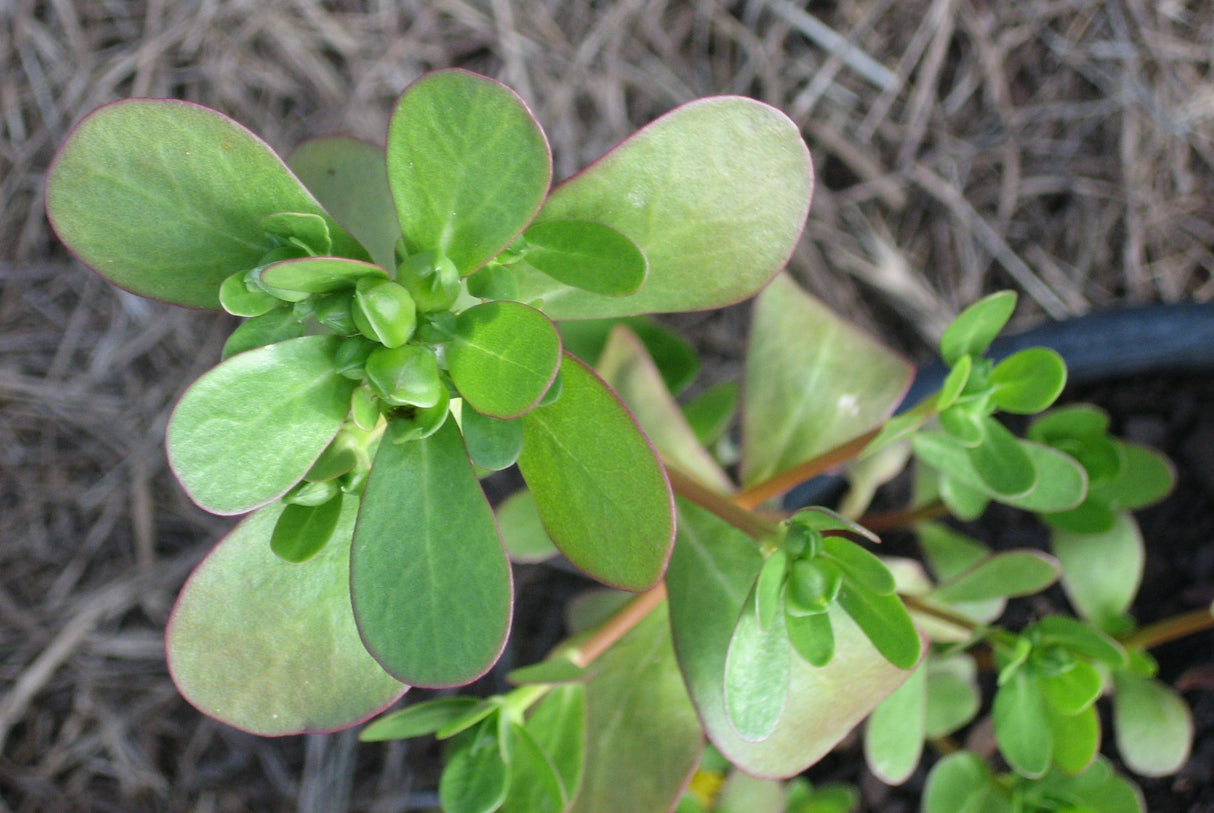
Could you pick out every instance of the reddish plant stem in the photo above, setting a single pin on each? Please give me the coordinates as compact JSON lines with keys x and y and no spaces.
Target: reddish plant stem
{"x":789,"y":479}
{"x":722,"y":506}
{"x":1169,"y":629}
{"x":616,"y":627}
{"x":901,"y":520}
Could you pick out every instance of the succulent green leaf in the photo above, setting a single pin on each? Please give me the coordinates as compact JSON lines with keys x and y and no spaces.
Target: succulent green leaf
{"x":493,"y":443}
{"x":1004,"y":575}
{"x":318,"y":275}
{"x":418,"y":719}
{"x":523,"y":531}
{"x":534,"y":784}
{"x":558,"y":724}
{"x":710,"y":576}
{"x":406,"y":376}
{"x":812,"y":636}
{"x":468,"y":166}
{"x":963,"y":783}
{"x":1092,"y":516}
{"x":429,"y":578}
{"x":239,"y":298}
{"x":964,"y":424}
{"x":948,"y":552}
{"x":303,"y":530}
{"x":164,"y":198}
{"x":885,"y":622}
{"x":675,"y":358}
{"x":587,"y":255}
{"x":1076,"y":738}
{"x":1152,"y":723}
{"x":349,"y":179}
{"x":384,"y":311}
{"x":271,"y":647}
{"x":1021,"y":727}
{"x":954,"y":383}
{"x":953,"y":698}
{"x":859,"y":566}
{"x":250,"y":428}
{"x":600,"y":490}
{"x":965,"y":502}
{"x":756,"y":674}
{"x":1146,"y":476}
{"x":1027,"y":382}
{"x":812,"y":382}
{"x":503,"y":356}
{"x":893,"y":737}
{"x":278,"y":325}
{"x":1061,"y":482}
{"x":1002,"y":462}
{"x":972,"y":332}
{"x":1073,"y":689}
{"x":628,"y":369}
{"x":1101,"y":572}
{"x":769,"y":587}
{"x":1097,"y":788}
{"x":476,"y":777}
{"x":715,"y":194}
{"x":646,"y":738}
{"x":711,"y":412}
{"x":1077,"y":637}
{"x":461,"y":722}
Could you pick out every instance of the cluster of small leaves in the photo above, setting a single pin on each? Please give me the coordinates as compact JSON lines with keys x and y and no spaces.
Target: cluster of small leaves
{"x":501,"y":757}
{"x":398,"y":343}
{"x":813,"y":568}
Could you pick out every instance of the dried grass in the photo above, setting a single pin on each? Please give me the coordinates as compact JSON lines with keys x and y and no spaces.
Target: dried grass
{"x":1065,"y":147}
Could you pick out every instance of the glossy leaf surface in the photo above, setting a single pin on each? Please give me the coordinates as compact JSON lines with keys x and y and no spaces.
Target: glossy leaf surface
{"x":271,"y":647}
{"x":249,"y":429}
{"x":1027,"y":382}
{"x":429,"y":578}
{"x":711,"y":572}
{"x":303,"y":530}
{"x":812,"y":382}
{"x":597,"y":483}
{"x":714,"y":193}
{"x":164,"y":198}
{"x":468,"y":166}
{"x":350,"y":180}
{"x":318,"y":274}
{"x":503,"y":357}
{"x":587,"y":255}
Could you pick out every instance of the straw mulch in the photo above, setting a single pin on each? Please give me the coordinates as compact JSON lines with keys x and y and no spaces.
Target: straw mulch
{"x":1062,"y":147}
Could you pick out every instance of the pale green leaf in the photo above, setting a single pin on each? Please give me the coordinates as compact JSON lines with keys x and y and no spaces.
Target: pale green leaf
{"x":812,"y":382}
{"x":1153,"y":725}
{"x":249,"y":429}
{"x":715,"y":194}
{"x":271,"y":647}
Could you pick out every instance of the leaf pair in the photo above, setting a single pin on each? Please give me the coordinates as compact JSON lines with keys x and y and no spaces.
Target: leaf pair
{"x":963,"y":783}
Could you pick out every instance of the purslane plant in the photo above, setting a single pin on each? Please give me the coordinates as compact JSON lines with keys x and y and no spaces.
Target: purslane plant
{"x":420,"y":315}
